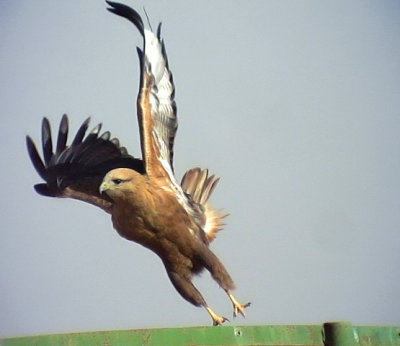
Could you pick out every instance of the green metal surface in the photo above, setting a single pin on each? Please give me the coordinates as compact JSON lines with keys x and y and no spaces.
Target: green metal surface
{"x":329,"y":334}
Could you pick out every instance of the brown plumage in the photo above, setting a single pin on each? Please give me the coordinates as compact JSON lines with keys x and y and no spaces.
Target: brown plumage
{"x":147,"y":205}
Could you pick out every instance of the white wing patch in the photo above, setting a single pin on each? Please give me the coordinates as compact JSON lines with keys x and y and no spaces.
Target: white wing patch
{"x":163,"y":108}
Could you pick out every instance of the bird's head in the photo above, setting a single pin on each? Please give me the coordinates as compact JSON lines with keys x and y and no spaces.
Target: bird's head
{"x":120,"y":183}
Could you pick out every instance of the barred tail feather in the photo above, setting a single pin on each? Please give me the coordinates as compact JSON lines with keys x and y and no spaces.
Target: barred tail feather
{"x":199,"y":185}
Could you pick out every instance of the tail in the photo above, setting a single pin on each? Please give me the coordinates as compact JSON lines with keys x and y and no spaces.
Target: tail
{"x":199,"y":186}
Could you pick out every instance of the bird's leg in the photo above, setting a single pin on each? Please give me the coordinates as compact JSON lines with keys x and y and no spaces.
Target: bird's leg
{"x":217,"y":320}
{"x":188,"y":291}
{"x":238,"y":308}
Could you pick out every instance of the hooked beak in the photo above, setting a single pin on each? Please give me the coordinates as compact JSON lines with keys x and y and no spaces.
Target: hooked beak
{"x":104,"y":187}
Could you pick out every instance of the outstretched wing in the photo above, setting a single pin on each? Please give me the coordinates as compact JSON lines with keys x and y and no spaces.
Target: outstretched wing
{"x":158,"y":125}
{"x":76,"y":171}
{"x":156,"y":106}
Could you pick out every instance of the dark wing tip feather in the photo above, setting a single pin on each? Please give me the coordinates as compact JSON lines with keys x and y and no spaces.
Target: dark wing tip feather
{"x":47,"y":144}
{"x":93,"y":135}
{"x":62,"y":134}
{"x":43,"y":189}
{"x":159,"y":31}
{"x":96,"y":130}
{"x":141,"y":64}
{"x":140,"y":55}
{"x":35,"y":158}
{"x":128,"y":13}
{"x":81,"y":132}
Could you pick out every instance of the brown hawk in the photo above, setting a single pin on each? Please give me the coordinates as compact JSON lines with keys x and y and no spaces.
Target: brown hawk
{"x":146,"y":203}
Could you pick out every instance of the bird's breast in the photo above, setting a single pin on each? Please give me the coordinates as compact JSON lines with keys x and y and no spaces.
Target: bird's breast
{"x":158,"y":224}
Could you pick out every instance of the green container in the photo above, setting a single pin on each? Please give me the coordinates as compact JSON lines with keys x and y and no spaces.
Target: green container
{"x":329,"y":334}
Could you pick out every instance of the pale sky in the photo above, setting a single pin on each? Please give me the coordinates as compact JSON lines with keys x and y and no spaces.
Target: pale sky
{"x":295,"y":105}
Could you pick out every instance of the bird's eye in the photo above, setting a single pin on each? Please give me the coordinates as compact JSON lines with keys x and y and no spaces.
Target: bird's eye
{"x":117,"y":181}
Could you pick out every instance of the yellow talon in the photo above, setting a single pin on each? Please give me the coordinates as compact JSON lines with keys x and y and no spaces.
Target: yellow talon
{"x":238,"y":308}
{"x":217,"y":320}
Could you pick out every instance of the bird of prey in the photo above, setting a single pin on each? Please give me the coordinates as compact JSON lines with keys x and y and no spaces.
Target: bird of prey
{"x":147,"y":204}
